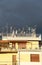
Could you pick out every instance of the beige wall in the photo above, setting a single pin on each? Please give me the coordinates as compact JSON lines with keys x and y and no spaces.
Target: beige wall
{"x":6,"y":59}
{"x":35,"y":45}
{"x":41,"y":56}
{"x":24,"y":57}
{"x":32,"y":45}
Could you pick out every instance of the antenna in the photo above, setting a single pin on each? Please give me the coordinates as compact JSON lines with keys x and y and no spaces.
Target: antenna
{"x":35,"y":27}
{"x":16,"y":32}
{"x":26,"y":28}
{"x":23,"y":29}
{"x":11,"y":29}
{"x":13,"y":33}
{"x":7,"y":29}
{"x":33,"y":30}
{"x":29,"y":29}
{"x":2,"y":30}
{"x":19,"y":29}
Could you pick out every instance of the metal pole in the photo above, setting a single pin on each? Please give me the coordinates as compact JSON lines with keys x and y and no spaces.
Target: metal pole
{"x":19,"y":57}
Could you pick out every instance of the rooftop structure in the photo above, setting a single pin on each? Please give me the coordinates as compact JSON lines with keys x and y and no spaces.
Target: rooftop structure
{"x":29,"y":34}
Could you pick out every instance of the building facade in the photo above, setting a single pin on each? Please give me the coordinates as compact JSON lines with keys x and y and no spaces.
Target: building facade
{"x":18,"y":49}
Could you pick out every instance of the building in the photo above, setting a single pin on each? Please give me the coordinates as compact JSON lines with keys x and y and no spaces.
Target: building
{"x":21,"y":48}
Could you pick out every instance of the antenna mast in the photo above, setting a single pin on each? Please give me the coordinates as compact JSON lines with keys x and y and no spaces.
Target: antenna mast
{"x":7,"y":29}
{"x":11,"y":29}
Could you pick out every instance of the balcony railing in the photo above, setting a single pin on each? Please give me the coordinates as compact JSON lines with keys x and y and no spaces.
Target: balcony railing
{"x":8,"y":50}
{"x":21,"y":47}
{"x":8,"y":63}
{"x":15,"y":51}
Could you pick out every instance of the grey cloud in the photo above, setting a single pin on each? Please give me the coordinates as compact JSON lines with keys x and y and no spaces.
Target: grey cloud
{"x":21,"y":12}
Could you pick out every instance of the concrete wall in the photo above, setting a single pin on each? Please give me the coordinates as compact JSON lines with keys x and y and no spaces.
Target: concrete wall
{"x":30,"y":63}
{"x":21,"y":38}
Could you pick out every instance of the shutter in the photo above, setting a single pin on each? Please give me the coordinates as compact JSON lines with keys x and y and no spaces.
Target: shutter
{"x":14,"y":60}
{"x":22,"y":45}
{"x":34,"y":57}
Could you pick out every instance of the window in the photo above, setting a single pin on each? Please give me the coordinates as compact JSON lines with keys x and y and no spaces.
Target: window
{"x":22,"y":45}
{"x":34,"y":57}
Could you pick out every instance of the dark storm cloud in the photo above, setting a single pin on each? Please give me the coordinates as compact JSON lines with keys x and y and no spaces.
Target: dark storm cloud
{"x":21,"y":12}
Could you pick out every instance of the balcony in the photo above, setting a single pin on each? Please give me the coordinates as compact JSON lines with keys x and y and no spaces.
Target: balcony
{"x":8,"y":50}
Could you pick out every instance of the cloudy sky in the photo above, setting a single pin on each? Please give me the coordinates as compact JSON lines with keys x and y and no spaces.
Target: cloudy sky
{"x":20,"y":13}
